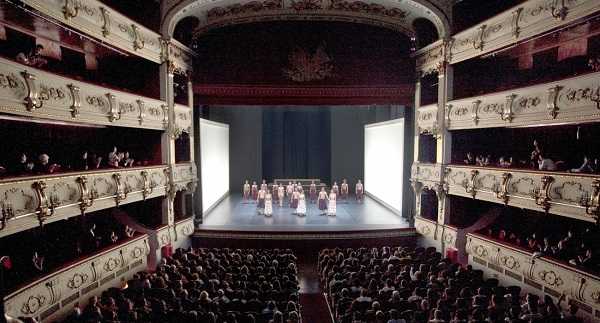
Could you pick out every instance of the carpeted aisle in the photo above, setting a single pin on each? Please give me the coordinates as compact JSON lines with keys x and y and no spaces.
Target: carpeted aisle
{"x":314,"y":308}
{"x":312,"y":302}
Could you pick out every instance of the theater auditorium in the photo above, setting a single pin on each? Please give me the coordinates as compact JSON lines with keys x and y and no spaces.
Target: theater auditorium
{"x":299,"y":161}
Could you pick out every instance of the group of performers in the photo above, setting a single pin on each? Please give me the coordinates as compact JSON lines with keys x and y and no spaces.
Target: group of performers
{"x":294,"y":194}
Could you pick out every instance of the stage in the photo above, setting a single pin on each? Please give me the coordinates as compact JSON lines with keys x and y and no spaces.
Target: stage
{"x":235,"y":218}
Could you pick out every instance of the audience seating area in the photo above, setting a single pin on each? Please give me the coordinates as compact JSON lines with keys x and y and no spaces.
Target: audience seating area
{"x":406,"y":284}
{"x":562,"y":239}
{"x":207,"y":286}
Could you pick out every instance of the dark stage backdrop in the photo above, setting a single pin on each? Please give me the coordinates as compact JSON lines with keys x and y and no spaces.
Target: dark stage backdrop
{"x":325,"y":142}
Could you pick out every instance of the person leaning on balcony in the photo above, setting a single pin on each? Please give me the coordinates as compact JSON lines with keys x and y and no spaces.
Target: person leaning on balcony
{"x":33,"y":58}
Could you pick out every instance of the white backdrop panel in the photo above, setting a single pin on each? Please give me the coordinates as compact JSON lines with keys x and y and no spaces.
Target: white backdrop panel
{"x":214,"y":161}
{"x":384,"y":161}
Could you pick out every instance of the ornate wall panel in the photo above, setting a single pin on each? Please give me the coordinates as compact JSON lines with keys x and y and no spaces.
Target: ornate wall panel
{"x":429,"y":175}
{"x":183,"y":119}
{"x":427,"y":119}
{"x":185,"y":176}
{"x":570,"y":195}
{"x":544,"y":274}
{"x":26,"y":202}
{"x":571,"y":100}
{"x":27,"y":91}
{"x":54,"y":295}
{"x":95,"y":19}
{"x":426,"y":228}
{"x":531,"y":18}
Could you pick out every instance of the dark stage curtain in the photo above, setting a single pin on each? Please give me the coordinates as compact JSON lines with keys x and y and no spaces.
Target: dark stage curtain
{"x":296,"y":143}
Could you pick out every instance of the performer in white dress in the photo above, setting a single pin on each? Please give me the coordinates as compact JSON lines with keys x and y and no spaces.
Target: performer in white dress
{"x":261,"y":199}
{"x":301,"y":209}
{"x":322,"y":200}
{"x":246,"y":191}
{"x":264,"y":186}
{"x":335,"y":188}
{"x":299,"y":188}
{"x":344,"y":190}
{"x":280,"y":194}
{"x":268,"y":204}
{"x":360,"y":192}
{"x":254,"y":191}
{"x":332,"y":206}
{"x":312,"y":192}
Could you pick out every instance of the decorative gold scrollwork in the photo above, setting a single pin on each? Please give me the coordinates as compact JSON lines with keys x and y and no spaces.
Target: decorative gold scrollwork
{"x":70,"y":9}
{"x":121,"y":193}
{"x":138,"y":40}
{"x":559,"y":12}
{"x":475,"y":111}
{"x":148,"y":188}
{"x":516,"y":16}
{"x":141,"y":110}
{"x":595,"y":97}
{"x":541,"y":193}
{"x":592,"y":204}
{"x":32,"y":101}
{"x":77,"y":280}
{"x":76,"y":100}
{"x":502,"y":193}
{"x":105,"y":21}
{"x":46,"y":206}
{"x":507,"y":109}
{"x":165,"y":111}
{"x":470,"y":185}
{"x":33,"y":304}
{"x":478,"y":40}
{"x":87,"y":197}
{"x":552,"y":102}
{"x":551,"y":278}
{"x":114,"y":111}
{"x":111,"y":264}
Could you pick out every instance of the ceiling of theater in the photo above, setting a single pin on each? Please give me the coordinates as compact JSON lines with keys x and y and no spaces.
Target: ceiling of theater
{"x":399,"y":15}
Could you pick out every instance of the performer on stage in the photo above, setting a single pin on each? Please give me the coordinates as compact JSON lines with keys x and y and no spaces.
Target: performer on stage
{"x":294,"y":186}
{"x":289,"y":189}
{"x":261,"y":199}
{"x":294,"y":201}
{"x":312,"y":192}
{"x":274,"y":193}
{"x":246,"y":191}
{"x":335,"y":188}
{"x":299,"y":188}
{"x":322,"y":201}
{"x":360,"y":192}
{"x":254,"y":191}
{"x":332,"y":206}
{"x":301,"y":209}
{"x":268,"y":204}
{"x":280,"y":194}
{"x":344,"y":191}
{"x":264,"y":186}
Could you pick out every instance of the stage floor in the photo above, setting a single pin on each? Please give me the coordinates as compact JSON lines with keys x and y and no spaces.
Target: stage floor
{"x":233,"y":214}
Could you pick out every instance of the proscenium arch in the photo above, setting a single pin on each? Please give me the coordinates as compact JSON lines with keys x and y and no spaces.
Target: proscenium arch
{"x":415,"y":9}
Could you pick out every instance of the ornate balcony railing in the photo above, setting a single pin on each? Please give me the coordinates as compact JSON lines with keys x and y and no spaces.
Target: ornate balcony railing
{"x":28,"y":202}
{"x":524,"y":21}
{"x":546,"y":275}
{"x":427,"y":228}
{"x":572,"y":100}
{"x":54,"y":295}
{"x":31,"y":92}
{"x":94,"y":18}
{"x":427,"y":120}
{"x":567,"y":194}
{"x":183,"y":120}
